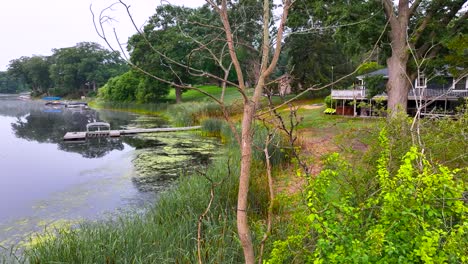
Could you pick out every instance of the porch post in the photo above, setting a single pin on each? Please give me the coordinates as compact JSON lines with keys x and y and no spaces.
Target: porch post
{"x":355,"y":107}
{"x":445,"y":106}
{"x":342,"y":110}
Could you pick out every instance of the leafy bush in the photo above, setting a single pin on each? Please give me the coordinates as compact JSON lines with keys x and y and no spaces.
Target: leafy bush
{"x":131,"y":87}
{"x":416,"y":214}
{"x":329,"y":102}
{"x":329,"y":111}
{"x":369,"y":67}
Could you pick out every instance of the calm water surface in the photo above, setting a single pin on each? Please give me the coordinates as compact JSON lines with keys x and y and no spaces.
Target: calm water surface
{"x":46,"y":182}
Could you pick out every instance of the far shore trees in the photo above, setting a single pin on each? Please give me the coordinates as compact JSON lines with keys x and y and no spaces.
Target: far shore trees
{"x":68,"y":71}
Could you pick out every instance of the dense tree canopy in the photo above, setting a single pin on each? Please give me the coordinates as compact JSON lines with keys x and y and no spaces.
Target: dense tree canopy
{"x":179,"y":45}
{"x":33,"y":71}
{"x":10,"y":84}
{"x":329,"y":39}
{"x":74,"y":70}
{"x":84,"y":66}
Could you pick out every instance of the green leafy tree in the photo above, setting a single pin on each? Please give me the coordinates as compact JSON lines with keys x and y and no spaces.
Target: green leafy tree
{"x":33,"y":71}
{"x":315,"y":58}
{"x":163,"y":34}
{"x":133,"y":86}
{"x":10,"y":84}
{"x":84,"y":67}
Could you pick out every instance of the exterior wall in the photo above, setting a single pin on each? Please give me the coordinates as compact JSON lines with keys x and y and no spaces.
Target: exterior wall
{"x":346,"y":110}
{"x":462,"y":84}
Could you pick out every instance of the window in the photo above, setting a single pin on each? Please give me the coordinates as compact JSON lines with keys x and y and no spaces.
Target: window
{"x":421,"y":81}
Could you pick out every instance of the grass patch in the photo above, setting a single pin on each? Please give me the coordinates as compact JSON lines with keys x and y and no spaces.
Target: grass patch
{"x":230,"y":95}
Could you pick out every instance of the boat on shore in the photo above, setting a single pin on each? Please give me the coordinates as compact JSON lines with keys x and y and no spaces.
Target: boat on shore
{"x":80,"y":105}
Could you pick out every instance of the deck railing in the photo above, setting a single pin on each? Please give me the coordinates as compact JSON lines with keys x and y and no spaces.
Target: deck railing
{"x":348,"y":94}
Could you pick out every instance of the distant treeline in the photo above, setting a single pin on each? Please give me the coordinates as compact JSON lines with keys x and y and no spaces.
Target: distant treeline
{"x":76,"y":70}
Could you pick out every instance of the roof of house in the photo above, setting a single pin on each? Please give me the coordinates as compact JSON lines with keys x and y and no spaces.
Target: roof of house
{"x":383,"y":72}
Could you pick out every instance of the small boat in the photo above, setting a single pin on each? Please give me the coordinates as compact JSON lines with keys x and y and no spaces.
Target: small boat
{"x":81,"y":105}
{"x":24,"y":97}
{"x":55,"y":103}
{"x":51,"y":98}
{"x":97,"y":126}
{"x":100,"y":129}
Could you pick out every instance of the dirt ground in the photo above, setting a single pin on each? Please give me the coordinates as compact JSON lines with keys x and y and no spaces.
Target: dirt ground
{"x":314,"y":144}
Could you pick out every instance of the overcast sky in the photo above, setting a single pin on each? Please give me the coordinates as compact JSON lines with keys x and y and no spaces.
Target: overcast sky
{"x":35,"y":27}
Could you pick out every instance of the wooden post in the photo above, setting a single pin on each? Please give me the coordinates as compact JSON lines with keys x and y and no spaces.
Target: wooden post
{"x":342,"y":109}
{"x":445,"y":106}
{"x":355,"y":107}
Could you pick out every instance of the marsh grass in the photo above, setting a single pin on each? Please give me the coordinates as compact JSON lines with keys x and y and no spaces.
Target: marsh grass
{"x":212,"y":127}
{"x":149,"y":109}
{"x":166,"y":233}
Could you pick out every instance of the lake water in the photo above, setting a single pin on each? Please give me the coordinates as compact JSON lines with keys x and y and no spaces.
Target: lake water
{"x":47,"y":183}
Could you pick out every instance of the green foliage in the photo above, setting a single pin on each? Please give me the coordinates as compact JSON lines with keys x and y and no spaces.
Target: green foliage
{"x":133,"y":87}
{"x":69,"y":71}
{"x":374,"y":85}
{"x":329,"y":111}
{"x":315,"y":58}
{"x":445,"y":141}
{"x":329,"y":102}
{"x":355,"y":39}
{"x":10,"y":84}
{"x":412,"y":214}
{"x":369,"y":67}
{"x":86,"y":66}
{"x":32,"y":71}
{"x":456,"y":58}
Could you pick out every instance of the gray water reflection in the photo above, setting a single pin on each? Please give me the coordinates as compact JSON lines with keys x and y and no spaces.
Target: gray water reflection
{"x":45,"y":181}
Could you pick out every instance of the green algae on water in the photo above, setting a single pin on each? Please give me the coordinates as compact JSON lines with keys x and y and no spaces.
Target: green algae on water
{"x":176,"y":153}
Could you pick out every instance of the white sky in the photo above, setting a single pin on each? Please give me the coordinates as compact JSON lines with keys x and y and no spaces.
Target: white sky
{"x":35,"y":27}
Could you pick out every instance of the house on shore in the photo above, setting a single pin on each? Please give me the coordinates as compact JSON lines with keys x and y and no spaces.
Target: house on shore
{"x":439,"y":95}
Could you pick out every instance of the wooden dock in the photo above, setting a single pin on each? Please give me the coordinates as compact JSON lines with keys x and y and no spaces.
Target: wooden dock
{"x":71,"y":136}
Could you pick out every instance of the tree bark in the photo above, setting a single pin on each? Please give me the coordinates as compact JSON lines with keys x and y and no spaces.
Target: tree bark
{"x":243,"y":229}
{"x":398,"y":84}
{"x":398,"y":81}
{"x":178,"y":95}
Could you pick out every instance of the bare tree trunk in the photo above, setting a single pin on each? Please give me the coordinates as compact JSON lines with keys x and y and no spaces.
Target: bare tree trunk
{"x":243,"y":229}
{"x":398,"y":83}
{"x":224,"y":84}
{"x":178,"y":95}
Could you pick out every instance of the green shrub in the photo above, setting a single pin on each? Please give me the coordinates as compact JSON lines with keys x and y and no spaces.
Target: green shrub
{"x":329,"y":102}
{"x":329,"y":111}
{"x":414,"y":214}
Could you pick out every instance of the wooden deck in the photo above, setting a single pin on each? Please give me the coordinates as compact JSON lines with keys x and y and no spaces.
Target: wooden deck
{"x":69,"y":136}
